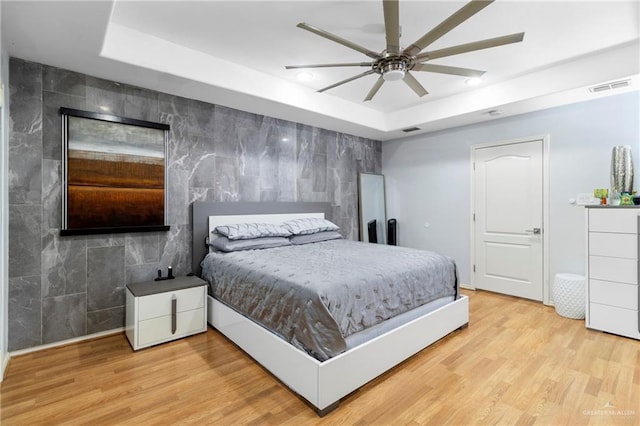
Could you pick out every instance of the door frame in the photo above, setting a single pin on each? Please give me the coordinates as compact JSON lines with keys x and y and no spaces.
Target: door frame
{"x":4,"y":217}
{"x":546,"y":296}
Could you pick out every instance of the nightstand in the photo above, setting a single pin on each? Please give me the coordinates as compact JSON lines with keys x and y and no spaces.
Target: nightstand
{"x":160,"y":311}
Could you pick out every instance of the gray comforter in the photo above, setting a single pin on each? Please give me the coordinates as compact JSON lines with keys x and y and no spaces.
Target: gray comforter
{"x":315,"y":295}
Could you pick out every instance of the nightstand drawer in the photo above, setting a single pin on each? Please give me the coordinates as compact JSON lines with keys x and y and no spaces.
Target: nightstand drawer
{"x":614,"y":294}
{"x":614,"y":320}
{"x":158,"y":330}
{"x":613,"y":245}
{"x":157,"y":305}
{"x":613,"y":269}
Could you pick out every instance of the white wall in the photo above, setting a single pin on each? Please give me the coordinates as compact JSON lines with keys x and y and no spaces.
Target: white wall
{"x":4,"y":205}
{"x":428,"y":176}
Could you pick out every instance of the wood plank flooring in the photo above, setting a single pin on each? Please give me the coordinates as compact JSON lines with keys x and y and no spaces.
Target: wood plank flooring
{"x":518,"y":362}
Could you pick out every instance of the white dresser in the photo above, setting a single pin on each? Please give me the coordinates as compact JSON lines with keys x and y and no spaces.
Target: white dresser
{"x":612,"y":240}
{"x":160,"y":311}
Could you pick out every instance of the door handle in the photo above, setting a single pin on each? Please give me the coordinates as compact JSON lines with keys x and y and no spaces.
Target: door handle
{"x":534,"y":231}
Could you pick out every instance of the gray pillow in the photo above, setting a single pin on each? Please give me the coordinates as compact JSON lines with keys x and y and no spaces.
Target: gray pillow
{"x":245,"y":231}
{"x":309,"y":225}
{"x":314,"y":238}
{"x":227,"y":245}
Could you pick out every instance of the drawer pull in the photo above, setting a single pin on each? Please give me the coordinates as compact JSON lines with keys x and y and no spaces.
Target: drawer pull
{"x":174,"y":303}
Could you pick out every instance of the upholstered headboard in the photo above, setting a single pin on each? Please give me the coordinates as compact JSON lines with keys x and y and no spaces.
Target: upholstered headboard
{"x":201,"y":210}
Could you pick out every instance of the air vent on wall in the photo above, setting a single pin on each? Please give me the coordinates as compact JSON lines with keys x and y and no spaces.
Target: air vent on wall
{"x":609,"y":86}
{"x":410,"y":129}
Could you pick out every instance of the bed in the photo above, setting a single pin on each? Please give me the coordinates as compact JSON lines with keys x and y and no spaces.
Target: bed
{"x":321,"y":376}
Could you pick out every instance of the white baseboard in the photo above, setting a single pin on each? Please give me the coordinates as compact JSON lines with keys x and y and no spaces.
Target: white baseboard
{"x":4,"y":362}
{"x":468,"y":287}
{"x":67,"y":342}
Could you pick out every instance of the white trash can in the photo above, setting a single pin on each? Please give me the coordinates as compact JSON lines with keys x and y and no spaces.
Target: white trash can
{"x":568,"y":295}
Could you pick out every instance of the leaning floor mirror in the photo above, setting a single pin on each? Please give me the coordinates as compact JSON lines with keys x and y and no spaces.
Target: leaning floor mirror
{"x":371,"y":203}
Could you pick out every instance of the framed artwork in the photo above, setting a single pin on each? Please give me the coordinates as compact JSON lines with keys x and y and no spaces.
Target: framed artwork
{"x":114,"y":174}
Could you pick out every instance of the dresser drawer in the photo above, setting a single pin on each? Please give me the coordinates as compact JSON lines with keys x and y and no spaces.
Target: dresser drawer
{"x":157,"y":305}
{"x":613,"y":245}
{"x":621,"y":220}
{"x":614,"y":294}
{"x":157,"y":330}
{"x":614,"y":320}
{"x":613,"y":269}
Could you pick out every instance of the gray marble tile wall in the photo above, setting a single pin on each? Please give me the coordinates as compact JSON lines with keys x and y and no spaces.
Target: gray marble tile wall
{"x":66,"y":287}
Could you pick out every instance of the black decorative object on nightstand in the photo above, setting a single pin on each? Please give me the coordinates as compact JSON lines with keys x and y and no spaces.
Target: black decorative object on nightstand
{"x":168,"y":277}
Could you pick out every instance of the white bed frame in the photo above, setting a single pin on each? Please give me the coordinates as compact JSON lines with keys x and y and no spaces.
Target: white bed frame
{"x":324,"y":383}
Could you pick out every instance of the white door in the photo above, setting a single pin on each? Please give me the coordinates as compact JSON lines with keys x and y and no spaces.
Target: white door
{"x":508,"y":201}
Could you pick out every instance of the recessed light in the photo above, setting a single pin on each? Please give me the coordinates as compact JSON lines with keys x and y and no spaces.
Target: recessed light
{"x":473,"y":81}
{"x":305,"y":76}
{"x":284,"y":139}
{"x":105,"y":108}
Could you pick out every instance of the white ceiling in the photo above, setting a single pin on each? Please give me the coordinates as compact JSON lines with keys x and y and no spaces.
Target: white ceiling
{"x":234,"y":52}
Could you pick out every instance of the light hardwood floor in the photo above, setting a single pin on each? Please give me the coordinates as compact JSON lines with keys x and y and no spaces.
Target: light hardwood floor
{"x":518,"y":362}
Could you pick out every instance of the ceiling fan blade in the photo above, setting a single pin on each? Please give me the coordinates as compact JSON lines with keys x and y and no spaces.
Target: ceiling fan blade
{"x":337,"y":39}
{"x":445,"y":69}
{"x":470,"y":47}
{"x":392,"y":25}
{"x":352,"y":64}
{"x":346,"y":81}
{"x":414,"y":84}
{"x":378,"y":84}
{"x":464,"y":13}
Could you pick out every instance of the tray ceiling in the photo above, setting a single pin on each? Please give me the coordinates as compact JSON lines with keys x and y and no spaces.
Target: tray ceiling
{"x":234,"y":52}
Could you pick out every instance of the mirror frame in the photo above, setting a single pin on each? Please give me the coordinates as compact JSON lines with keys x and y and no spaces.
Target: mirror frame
{"x":363,"y":218}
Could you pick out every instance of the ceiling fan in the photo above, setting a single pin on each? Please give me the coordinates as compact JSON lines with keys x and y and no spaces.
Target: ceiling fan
{"x":394,"y":63}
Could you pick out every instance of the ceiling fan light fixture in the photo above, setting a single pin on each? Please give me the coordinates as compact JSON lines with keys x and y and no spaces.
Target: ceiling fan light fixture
{"x":393,"y":75}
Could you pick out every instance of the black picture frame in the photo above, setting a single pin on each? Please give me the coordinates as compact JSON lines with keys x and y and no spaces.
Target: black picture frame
{"x":114,"y":174}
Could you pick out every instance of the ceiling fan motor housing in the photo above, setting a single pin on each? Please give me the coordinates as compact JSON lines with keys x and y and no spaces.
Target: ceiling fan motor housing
{"x":394,"y":69}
